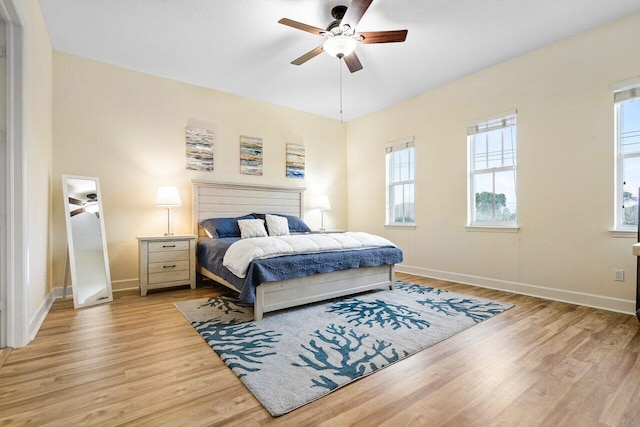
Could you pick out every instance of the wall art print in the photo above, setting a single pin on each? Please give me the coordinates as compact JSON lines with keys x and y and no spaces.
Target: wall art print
{"x":250,"y":155}
{"x":295,"y":160}
{"x":199,"y":149}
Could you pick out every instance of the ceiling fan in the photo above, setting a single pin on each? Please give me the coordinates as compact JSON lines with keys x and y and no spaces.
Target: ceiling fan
{"x":341,"y":35}
{"x":90,"y":205}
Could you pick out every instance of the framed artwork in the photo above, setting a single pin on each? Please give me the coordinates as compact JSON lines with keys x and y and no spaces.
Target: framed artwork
{"x":199,"y":149}
{"x":295,"y":160}
{"x":250,"y":155}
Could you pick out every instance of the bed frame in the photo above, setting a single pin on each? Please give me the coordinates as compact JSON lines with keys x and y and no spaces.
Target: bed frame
{"x":217,"y":200}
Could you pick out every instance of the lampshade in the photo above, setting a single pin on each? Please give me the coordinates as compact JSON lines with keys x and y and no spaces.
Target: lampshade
{"x":321,"y":202}
{"x":168,"y":196}
{"x":339,"y":46}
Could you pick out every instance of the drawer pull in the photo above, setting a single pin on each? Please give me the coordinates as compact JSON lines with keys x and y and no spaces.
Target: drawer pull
{"x":169,"y":266}
{"x":168,"y":246}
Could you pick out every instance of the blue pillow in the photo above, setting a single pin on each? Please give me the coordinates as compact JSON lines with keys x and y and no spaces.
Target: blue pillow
{"x":223,"y":227}
{"x":296,"y":225}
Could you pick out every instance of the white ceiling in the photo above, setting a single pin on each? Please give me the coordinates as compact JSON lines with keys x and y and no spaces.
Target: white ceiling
{"x":237,"y":46}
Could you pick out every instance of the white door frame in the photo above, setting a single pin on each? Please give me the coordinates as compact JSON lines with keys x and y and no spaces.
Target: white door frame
{"x":13,"y":274}
{"x":3,"y":163}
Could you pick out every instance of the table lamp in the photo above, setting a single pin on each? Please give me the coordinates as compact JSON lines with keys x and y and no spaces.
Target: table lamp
{"x":321,"y":202}
{"x":168,"y":197}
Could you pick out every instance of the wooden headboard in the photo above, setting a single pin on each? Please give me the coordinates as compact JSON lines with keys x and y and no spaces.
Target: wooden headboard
{"x":220,"y":200}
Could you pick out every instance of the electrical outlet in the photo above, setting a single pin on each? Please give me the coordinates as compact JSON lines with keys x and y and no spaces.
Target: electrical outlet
{"x":618,"y":275}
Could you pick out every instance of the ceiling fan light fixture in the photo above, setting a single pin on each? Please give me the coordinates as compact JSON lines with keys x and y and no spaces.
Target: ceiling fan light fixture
{"x":92,"y":206}
{"x":339,"y":46}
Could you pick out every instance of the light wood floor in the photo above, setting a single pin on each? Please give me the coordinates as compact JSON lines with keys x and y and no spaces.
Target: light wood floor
{"x":138,"y":361}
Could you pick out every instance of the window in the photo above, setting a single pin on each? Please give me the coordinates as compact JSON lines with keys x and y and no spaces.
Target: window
{"x":627,"y":116}
{"x":492,"y":171}
{"x":400,"y":182}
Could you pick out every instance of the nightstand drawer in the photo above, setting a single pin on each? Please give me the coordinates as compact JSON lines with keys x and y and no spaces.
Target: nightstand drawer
{"x":169,"y":276}
{"x":168,"y":256}
{"x":163,"y":267}
{"x":177,"y":245}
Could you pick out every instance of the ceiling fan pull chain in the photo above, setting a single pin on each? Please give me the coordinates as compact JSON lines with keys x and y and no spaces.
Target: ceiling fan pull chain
{"x":340,"y":65}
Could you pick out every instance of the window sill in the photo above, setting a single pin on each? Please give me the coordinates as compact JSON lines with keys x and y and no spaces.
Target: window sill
{"x":400,"y":226}
{"x":492,"y":229}
{"x":623,"y":234}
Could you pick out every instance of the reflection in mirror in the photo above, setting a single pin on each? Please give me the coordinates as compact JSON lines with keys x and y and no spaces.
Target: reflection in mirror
{"x":87,"y":246}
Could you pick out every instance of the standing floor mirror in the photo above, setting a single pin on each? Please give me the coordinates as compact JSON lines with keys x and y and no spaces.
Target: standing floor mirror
{"x":87,"y":245}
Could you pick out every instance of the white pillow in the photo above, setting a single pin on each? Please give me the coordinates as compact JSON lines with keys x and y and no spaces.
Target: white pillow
{"x":277,"y":225}
{"x":252,"y":228}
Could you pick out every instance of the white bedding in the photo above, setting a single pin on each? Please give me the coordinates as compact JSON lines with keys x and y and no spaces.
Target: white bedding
{"x":241,"y":253}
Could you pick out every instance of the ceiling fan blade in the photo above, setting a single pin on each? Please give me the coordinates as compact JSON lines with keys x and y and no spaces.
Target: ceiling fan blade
{"x":383,"y":36}
{"x":77,"y":202}
{"x":307,"y":56}
{"x":353,"y":62}
{"x":77,"y":212}
{"x":355,"y":11}
{"x":301,"y":26}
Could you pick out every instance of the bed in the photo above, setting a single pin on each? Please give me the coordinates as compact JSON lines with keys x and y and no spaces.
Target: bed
{"x":226,"y":200}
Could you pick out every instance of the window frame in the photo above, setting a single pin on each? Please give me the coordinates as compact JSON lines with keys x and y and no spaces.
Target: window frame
{"x":622,"y":95}
{"x":390,"y":149}
{"x":500,"y":121}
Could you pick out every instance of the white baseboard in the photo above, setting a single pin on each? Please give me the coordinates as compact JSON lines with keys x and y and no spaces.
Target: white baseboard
{"x":116,"y":286}
{"x":580,"y":298}
{"x":36,"y":321}
{"x":125,"y":284}
{"x":58,"y":290}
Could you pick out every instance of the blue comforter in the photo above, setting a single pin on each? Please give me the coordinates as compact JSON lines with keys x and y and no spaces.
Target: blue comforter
{"x":211,"y":252}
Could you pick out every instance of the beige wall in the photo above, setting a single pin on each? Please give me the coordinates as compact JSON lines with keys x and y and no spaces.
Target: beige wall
{"x":565,"y":174}
{"x":127,"y":128}
{"x":38,"y":148}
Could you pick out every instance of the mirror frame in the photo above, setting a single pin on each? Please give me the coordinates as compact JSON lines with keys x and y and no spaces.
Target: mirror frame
{"x":70,"y":246}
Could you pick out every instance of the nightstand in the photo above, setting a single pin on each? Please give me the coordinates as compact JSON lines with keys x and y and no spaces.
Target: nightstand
{"x":167,"y":261}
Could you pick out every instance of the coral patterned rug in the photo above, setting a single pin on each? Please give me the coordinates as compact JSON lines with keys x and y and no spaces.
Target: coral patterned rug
{"x":293,"y":357}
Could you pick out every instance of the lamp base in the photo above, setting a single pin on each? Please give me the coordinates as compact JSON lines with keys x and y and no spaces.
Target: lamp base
{"x":169,"y":232}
